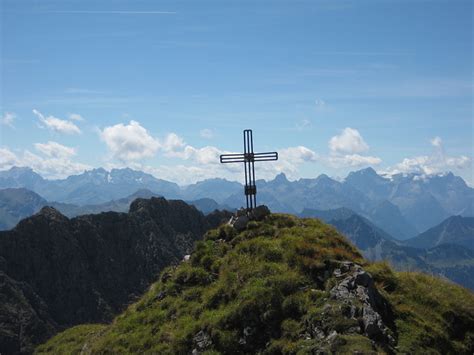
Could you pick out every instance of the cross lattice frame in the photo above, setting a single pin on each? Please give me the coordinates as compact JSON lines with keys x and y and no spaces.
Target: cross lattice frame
{"x":249,"y":158}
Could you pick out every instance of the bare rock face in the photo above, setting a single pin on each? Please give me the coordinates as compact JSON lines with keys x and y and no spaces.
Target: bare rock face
{"x":354,"y":307}
{"x":356,"y":290}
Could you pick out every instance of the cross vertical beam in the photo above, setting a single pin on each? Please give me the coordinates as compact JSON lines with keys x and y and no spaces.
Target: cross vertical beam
{"x":250,"y":185}
{"x":249,"y":158}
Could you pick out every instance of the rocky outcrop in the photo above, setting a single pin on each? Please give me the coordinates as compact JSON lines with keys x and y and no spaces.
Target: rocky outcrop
{"x":357,"y":305}
{"x":242,"y":217}
{"x":65,"y":271}
{"x":357,"y":290}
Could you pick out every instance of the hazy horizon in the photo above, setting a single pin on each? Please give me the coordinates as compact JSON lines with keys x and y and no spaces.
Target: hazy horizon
{"x":241,"y":179}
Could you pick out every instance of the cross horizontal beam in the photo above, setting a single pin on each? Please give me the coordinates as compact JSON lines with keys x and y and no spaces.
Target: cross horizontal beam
{"x":242,"y":158}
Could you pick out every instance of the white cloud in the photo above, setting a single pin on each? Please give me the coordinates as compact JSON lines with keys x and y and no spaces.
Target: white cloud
{"x":206,"y":133}
{"x":208,"y":156}
{"x":205,"y":164}
{"x":352,"y":160}
{"x":345,"y":148}
{"x":52,"y":165}
{"x":7,"y":119}
{"x":349,"y":141}
{"x":298,"y":155}
{"x":184,"y":175}
{"x":55,"y":150}
{"x":436,"y":142}
{"x":53,"y":168}
{"x":129,"y":142}
{"x":76,"y":117}
{"x":205,"y":155}
{"x":174,"y":146}
{"x":437,"y":162}
{"x":7,"y":159}
{"x":172,"y":143}
{"x":57,"y":124}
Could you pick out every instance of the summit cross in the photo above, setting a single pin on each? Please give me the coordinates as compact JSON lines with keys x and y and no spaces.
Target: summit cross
{"x":249,"y":158}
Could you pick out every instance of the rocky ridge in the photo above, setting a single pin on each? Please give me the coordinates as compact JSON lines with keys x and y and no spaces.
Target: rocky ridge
{"x":56,"y":272}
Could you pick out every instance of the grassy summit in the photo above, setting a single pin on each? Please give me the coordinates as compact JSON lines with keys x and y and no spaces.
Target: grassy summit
{"x":283,"y":285}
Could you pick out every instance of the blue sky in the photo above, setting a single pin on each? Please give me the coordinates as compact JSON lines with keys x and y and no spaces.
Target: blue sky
{"x":167,"y":86}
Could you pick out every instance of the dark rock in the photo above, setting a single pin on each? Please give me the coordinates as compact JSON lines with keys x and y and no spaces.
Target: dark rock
{"x":240,"y":223}
{"x":52,"y":214}
{"x":241,"y":212}
{"x":87,"y":269}
{"x":242,"y":217}
{"x":259,"y":213}
{"x":161,"y":295}
{"x":24,"y":317}
{"x":362,"y":278}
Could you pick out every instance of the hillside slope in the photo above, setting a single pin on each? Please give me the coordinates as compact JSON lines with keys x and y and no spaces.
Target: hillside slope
{"x":283,"y":286}
{"x":16,"y":204}
{"x":64,"y":271}
{"x":454,"y":230}
{"x":446,"y":260}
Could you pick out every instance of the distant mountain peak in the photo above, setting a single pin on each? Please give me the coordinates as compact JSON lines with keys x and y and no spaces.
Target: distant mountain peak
{"x":20,"y":169}
{"x":325,"y":179}
{"x":281,"y":177}
{"x":97,"y":171}
{"x":367,"y":171}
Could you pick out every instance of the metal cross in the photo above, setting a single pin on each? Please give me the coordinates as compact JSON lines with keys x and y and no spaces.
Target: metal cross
{"x":248,"y":158}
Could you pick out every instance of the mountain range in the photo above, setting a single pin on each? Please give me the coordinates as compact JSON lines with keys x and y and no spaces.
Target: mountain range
{"x":363,"y":207}
{"x":456,"y":229}
{"x":403,"y":205}
{"x":56,"y":272}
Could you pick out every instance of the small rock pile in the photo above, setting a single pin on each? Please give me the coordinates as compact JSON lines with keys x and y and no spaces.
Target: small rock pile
{"x":242,"y":217}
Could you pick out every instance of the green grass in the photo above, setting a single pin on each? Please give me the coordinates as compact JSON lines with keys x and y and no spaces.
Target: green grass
{"x":72,"y":341}
{"x":275,"y":277}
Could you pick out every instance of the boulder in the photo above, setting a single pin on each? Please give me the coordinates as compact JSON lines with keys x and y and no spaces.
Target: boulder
{"x":259,"y":213}
{"x":240,"y":223}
